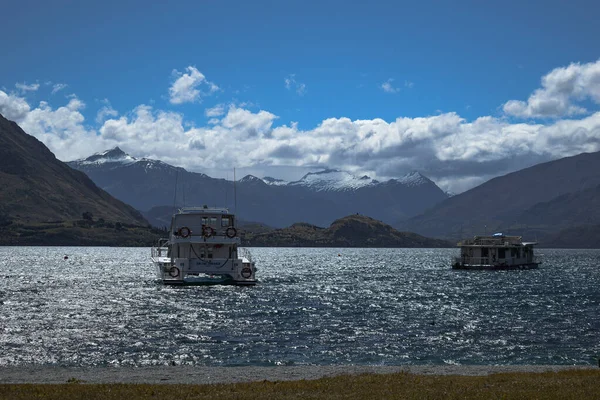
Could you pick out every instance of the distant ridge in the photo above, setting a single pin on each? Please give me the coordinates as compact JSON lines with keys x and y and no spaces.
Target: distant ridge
{"x":502,"y":202}
{"x":350,"y":231}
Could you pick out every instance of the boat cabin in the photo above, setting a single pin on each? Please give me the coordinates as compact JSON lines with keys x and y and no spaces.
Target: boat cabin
{"x":495,"y":252}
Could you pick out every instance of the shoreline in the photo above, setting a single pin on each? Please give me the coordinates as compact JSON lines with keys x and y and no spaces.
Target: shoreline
{"x":213,"y":375}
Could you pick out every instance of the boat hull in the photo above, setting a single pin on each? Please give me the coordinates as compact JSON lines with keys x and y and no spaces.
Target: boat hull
{"x":496,"y":267}
{"x":208,"y":282}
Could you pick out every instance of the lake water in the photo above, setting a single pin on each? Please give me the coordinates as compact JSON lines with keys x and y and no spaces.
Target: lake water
{"x":103,"y":306}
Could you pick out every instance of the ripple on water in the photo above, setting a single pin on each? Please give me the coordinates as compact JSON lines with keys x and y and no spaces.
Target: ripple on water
{"x":366,"y":306}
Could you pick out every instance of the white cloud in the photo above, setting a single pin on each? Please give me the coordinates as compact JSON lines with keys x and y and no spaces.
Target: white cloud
{"x":292,"y":84}
{"x":455,"y":152}
{"x":105,"y":112}
{"x":215,"y":111}
{"x":388,"y":87}
{"x":561,"y":89}
{"x":186,"y":88}
{"x":23,"y":87}
{"x":57,"y":87}
{"x":13,"y":107}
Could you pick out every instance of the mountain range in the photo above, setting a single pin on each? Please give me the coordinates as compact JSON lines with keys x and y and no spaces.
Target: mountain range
{"x":536,"y":202}
{"x":318,"y":198}
{"x":43,"y":201}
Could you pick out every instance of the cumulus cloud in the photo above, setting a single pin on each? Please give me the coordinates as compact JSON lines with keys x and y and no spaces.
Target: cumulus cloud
{"x":57,"y":87}
{"x":455,"y":152}
{"x":105,"y":112}
{"x":388,"y":87}
{"x":187,"y":85}
{"x":23,"y":87}
{"x":561,"y":90}
{"x":292,"y":84}
{"x":13,"y":107}
{"x":215,"y":111}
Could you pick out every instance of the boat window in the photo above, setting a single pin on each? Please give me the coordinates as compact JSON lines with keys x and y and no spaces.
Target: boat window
{"x":204,"y":221}
{"x":210,"y":253}
{"x":213,"y":221}
{"x":485,"y":252}
{"x":225,"y":221}
{"x":501,"y":253}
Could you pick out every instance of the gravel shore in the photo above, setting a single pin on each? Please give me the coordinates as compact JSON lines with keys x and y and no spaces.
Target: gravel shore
{"x":204,"y":375}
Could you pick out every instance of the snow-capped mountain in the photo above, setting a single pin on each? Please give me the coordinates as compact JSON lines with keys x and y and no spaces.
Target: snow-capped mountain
{"x":414,"y":178}
{"x":251,"y":179}
{"x":318,"y":198}
{"x":114,"y":155}
{"x":117,"y":158}
{"x":333,"y":180}
{"x":274,"y":182}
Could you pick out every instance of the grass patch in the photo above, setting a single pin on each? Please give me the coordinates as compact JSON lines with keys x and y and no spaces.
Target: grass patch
{"x":575,"y":384}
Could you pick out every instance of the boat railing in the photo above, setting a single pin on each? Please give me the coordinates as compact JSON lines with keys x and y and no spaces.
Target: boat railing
{"x":244,"y":253}
{"x":160,"y":252}
{"x":491,"y":241}
{"x":466,"y":260}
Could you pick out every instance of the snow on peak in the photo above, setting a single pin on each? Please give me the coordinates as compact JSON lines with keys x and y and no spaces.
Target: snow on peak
{"x":333,"y":180}
{"x":114,"y":155}
{"x":274,"y":182}
{"x":414,"y":178}
{"x":251,"y":178}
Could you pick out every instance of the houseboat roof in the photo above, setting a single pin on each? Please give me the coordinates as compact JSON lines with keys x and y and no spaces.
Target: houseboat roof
{"x":203,"y":210}
{"x":496,"y":240}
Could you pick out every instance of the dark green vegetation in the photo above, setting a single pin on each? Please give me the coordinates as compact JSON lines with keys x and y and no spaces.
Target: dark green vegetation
{"x":79,"y":233}
{"x":535,"y":202}
{"x":567,"y":385}
{"x":43,"y":201}
{"x":350,"y":231}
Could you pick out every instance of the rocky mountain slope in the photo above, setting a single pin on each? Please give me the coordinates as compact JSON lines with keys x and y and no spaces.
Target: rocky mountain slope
{"x":39,"y":194}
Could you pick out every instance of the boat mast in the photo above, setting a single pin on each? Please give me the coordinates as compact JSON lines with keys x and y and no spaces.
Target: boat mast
{"x":234,"y":195}
{"x":175,"y":195}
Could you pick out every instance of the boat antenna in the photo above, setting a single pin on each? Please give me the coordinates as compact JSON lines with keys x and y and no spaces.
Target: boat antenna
{"x":183,"y":190}
{"x":226,"y":187}
{"x":234,"y":194}
{"x":175,"y":196}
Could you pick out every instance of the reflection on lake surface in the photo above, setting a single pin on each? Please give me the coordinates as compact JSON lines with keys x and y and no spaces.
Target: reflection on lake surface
{"x":102,"y":306}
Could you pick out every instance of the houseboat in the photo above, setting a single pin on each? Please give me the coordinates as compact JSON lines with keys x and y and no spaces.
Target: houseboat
{"x":203,"y":248}
{"x":495,"y":252}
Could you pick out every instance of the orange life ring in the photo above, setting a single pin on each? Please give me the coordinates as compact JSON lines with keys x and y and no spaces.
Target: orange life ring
{"x":174,"y":272}
{"x":184,"y":232}
{"x":231,"y":232}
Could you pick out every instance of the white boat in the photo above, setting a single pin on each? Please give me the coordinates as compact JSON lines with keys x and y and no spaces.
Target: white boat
{"x":495,"y":252}
{"x":203,"y":248}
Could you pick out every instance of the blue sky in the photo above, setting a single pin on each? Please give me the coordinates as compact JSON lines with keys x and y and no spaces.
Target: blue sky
{"x":306,"y":67}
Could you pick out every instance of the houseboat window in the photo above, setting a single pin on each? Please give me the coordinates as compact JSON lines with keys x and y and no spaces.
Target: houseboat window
{"x":485,"y":252}
{"x":501,"y":253}
{"x":204,"y":221}
{"x":210,"y":253}
{"x":213,"y":221}
{"x":225,"y":221}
